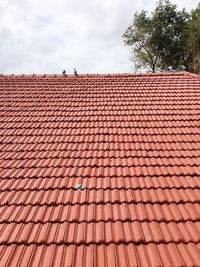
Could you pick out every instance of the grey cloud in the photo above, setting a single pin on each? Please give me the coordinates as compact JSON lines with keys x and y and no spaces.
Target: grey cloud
{"x":48,"y":36}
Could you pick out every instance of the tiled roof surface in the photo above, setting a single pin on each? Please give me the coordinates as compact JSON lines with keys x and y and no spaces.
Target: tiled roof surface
{"x":131,"y":141}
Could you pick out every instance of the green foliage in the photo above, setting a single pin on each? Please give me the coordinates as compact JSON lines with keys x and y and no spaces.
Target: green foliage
{"x":158,"y":39}
{"x":192,"y":34}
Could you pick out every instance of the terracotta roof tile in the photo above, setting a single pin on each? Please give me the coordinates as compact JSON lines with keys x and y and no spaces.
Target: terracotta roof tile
{"x":100,"y":170}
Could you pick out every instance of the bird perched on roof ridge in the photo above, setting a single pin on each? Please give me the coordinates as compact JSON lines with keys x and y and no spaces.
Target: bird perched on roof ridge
{"x":63,"y":72}
{"x":75,"y":71}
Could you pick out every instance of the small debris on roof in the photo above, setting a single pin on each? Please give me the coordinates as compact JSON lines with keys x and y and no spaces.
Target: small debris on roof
{"x":79,"y":187}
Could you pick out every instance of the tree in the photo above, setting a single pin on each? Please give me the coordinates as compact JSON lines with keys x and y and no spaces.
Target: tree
{"x":192,"y":34}
{"x":157,"y":40}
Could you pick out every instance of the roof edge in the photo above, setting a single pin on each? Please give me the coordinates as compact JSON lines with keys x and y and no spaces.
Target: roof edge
{"x":157,"y":74}
{"x":193,"y":75}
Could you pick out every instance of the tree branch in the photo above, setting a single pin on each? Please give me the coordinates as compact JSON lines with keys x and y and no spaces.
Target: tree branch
{"x":150,"y":56}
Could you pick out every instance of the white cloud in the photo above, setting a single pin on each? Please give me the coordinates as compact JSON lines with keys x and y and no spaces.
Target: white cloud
{"x":49,"y":36}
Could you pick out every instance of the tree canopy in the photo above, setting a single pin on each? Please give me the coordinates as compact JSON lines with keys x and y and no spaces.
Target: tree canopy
{"x":193,"y":40}
{"x":165,"y":40}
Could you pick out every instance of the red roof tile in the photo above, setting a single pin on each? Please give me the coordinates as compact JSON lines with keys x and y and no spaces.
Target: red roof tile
{"x":100,"y":170}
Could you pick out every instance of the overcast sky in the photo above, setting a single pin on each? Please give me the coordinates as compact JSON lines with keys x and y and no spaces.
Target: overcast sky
{"x":47,"y":36}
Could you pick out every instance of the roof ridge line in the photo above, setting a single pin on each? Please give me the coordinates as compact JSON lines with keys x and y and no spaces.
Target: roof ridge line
{"x":85,"y":75}
{"x":190,"y":74}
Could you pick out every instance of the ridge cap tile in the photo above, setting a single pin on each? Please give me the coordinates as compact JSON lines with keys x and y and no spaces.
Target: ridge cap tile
{"x":101,"y":75}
